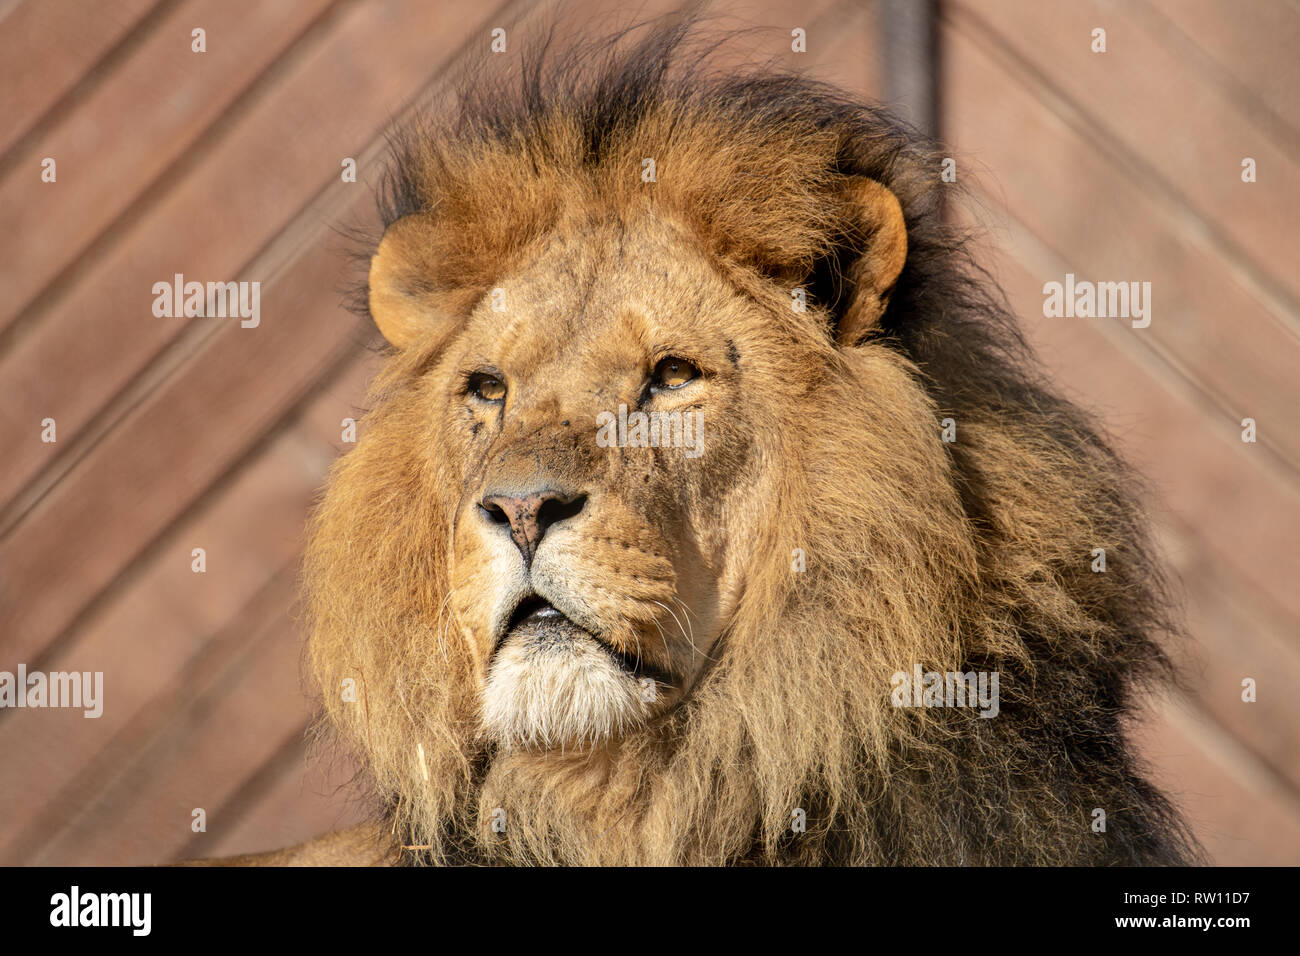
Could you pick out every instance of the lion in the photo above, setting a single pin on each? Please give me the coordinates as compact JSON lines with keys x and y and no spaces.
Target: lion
{"x":703,"y":460}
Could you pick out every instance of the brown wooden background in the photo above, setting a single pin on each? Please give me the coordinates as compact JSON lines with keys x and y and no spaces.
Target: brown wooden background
{"x":175,"y":434}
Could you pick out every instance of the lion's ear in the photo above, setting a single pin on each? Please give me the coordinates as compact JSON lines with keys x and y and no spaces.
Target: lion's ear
{"x":405,"y":300}
{"x":876,"y":219}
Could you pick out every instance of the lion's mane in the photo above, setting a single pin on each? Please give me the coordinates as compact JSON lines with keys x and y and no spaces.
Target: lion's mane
{"x":990,"y":571}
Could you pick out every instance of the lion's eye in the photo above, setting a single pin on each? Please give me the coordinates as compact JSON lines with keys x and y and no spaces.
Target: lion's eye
{"x":673,"y":372}
{"x":487,"y":387}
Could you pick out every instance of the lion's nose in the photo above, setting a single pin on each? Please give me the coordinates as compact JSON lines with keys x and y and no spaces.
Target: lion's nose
{"x":531,"y":515}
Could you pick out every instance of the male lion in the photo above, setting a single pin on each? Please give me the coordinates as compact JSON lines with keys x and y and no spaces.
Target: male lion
{"x":657,"y":517}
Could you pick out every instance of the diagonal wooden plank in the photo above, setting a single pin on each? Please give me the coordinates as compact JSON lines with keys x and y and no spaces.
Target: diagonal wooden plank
{"x":164,"y":98}
{"x":1103,"y":225}
{"x":150,"y":468}
{"x":235,"y":716}
{"x":1166,"y":123}
{"x":155,"y":638}
{"x":50,"y":47}
{"x":305,"y":799}
{"x":1253,"y":43}
{"x":1240,"y":818}
{"x":1239,"y":633}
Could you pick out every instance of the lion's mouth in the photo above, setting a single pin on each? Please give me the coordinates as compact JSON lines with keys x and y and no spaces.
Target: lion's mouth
{"x":537,"y":621}
{"x":534,"y":611}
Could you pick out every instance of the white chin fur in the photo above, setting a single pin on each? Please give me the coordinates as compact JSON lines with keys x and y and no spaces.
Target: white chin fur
{"x":567,"y":693}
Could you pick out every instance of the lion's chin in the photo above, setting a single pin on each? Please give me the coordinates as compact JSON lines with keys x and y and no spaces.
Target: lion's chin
{"x":553,"y":685}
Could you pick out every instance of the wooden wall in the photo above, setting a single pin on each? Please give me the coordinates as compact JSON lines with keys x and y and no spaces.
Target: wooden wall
{"x":176,"y":434}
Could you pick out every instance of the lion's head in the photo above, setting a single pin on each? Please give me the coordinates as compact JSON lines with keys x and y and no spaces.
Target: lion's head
{"x":657,"y":495}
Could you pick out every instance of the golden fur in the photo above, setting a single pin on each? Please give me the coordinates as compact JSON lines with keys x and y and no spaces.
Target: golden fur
{"x":821,"y":438}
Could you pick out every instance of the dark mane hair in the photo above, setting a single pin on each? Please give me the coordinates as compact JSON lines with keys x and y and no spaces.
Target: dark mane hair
{"x":563,"y":114}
